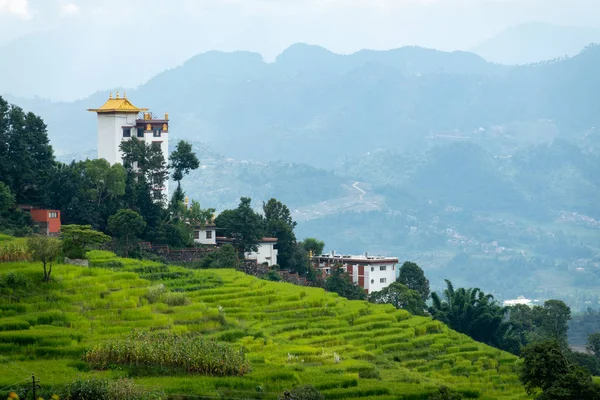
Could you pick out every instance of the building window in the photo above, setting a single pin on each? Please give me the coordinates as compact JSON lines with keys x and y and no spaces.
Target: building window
{"x":127,"y":132}
{"x":196,"y":234}
{"x":382,"y":280}
{"x":209,"y":234}
{"x":157,"y":133}
{"x":140,"y":132}
{"x":372,"y":280}
{"x":382,"y":268}
{"x":372,"y":269}
{"x":52,"y":214}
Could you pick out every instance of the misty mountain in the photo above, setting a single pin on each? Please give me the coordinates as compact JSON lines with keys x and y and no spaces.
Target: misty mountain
{"x":441,"y":158}
{"x":312,"y":106}
{"x":534,"y":42}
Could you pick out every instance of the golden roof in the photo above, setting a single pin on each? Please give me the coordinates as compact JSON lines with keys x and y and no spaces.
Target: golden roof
{"x":117,"y":105}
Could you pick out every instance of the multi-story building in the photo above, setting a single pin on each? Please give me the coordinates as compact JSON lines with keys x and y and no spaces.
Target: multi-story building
{"x":266,"y":252}
{"x":372,"y":273}
{"x":119,"y":120}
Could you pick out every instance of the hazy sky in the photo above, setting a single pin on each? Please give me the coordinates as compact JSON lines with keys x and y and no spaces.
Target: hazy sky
{"x":182,"y":28}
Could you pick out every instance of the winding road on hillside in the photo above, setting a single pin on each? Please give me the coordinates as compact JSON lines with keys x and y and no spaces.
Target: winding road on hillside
{"x":362,"y":192}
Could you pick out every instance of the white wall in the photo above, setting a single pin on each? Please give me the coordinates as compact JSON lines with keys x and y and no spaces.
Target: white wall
{"x":110,"y":135}
{"x":374,"y":273}
{"x":202,"y":236}
{"x":266,"y":253}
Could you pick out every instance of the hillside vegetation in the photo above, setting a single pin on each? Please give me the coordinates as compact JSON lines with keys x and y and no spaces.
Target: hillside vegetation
{"x":290,"y":335}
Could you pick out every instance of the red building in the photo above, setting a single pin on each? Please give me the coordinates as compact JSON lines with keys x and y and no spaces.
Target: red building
{"x":48,"y":220}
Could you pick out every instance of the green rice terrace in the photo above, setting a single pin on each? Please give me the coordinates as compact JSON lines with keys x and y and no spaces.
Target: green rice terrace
{"x":224,"y":334}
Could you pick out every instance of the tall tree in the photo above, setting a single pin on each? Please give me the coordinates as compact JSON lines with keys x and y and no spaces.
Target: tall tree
{"x":552,"y":319}
{"x":472,"y":312}
{"x":593,"y":344}
{"x":7,"y":198}
{"x":313,"y":245}
{"x":26,"y":156}
{"x":243,"y":225}
{"x":183,"y":160}
{"x":547,"y":373}
{"x":127,"y":226}
{"x":414,"y":278}
{"x":279,"y":224}
{"x":45,"y":249}
{"x":87,"y":192}
{"x":401,"y":297}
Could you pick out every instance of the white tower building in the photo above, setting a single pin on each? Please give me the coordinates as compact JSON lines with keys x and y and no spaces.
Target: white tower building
{"x":119,"y":120}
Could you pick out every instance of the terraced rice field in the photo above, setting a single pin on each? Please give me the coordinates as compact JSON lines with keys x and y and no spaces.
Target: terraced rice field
{"x":292,"y":335}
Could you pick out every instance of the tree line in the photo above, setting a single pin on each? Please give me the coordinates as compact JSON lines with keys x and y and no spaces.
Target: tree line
{"x":125,"y":201}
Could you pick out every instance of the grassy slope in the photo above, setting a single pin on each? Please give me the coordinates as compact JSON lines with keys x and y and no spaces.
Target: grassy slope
{"x":291,"y":334}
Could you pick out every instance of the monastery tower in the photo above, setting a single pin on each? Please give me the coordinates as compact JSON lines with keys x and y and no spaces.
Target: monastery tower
{"x":119,"y":120}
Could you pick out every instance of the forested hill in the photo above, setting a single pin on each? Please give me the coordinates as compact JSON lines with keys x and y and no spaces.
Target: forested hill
{"x":313,"y":106}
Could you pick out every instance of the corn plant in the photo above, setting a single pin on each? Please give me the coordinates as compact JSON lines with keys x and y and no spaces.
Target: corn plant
{"x":189,"y":353}
{"x":13,"y":252}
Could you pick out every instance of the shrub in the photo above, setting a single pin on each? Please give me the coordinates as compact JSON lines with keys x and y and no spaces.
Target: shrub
{"x":189,"y":353}
{"x":87,"y":389}
{"x":368,"y":374}
{"x":176,"y":299}
{"x":97,"y":389}
{"x":304,"y":392}
{"x":154,"y":293}
{"x":272,"y":276}
{"x":445,"y":393}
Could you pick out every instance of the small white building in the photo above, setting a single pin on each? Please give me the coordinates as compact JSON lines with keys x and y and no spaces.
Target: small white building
{"x":372,"y":273}
{"x":119,"y":120}
{"x":265,"y":254}
{"x":519,"y":300}
{"x":206,"y":234}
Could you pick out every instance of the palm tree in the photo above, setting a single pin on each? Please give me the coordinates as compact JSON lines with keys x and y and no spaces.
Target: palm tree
{"x":472,"y":312}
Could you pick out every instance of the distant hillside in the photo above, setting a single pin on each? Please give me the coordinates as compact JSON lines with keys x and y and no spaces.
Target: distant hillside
{"x":291,"y":335}
{"x":314,"y":107}
{"x":535,"y":42}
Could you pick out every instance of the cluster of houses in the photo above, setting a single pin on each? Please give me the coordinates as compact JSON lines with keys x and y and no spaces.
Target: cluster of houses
{"x":119,"y":120}
{"x":372,"y":273}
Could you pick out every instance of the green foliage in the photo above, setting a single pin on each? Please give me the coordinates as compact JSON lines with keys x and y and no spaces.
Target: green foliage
{"x":26,"y":156}
{"x":471,"y":312}
{"x":279,"y":224}
{"x":224,"y":257}
{"x":243,"y":225}
{"x":400,"y":296}
{"x":126,"y":225}
{"x":147,"y":163}
{"x":182,"y":161}
{"x":445,"y":393}
{"x":291,"y":336}
{"x":46,"y":250}
{"x":189,"y":353}
{"x":314,"y":245}
{"x":96,"y":389}
{"x":11,"y":252}
{"x":78,"y":239}
{"x":547,"y":372}
{"x":593,"y":344}
{"x":553,"y":318}
{"x":413,"y":277}
{"x":7,"y":198}
{"x":102,"y":389}
{"x":304,"y":392}
{"x":369,"y":374}
{"x":341,"y":283}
